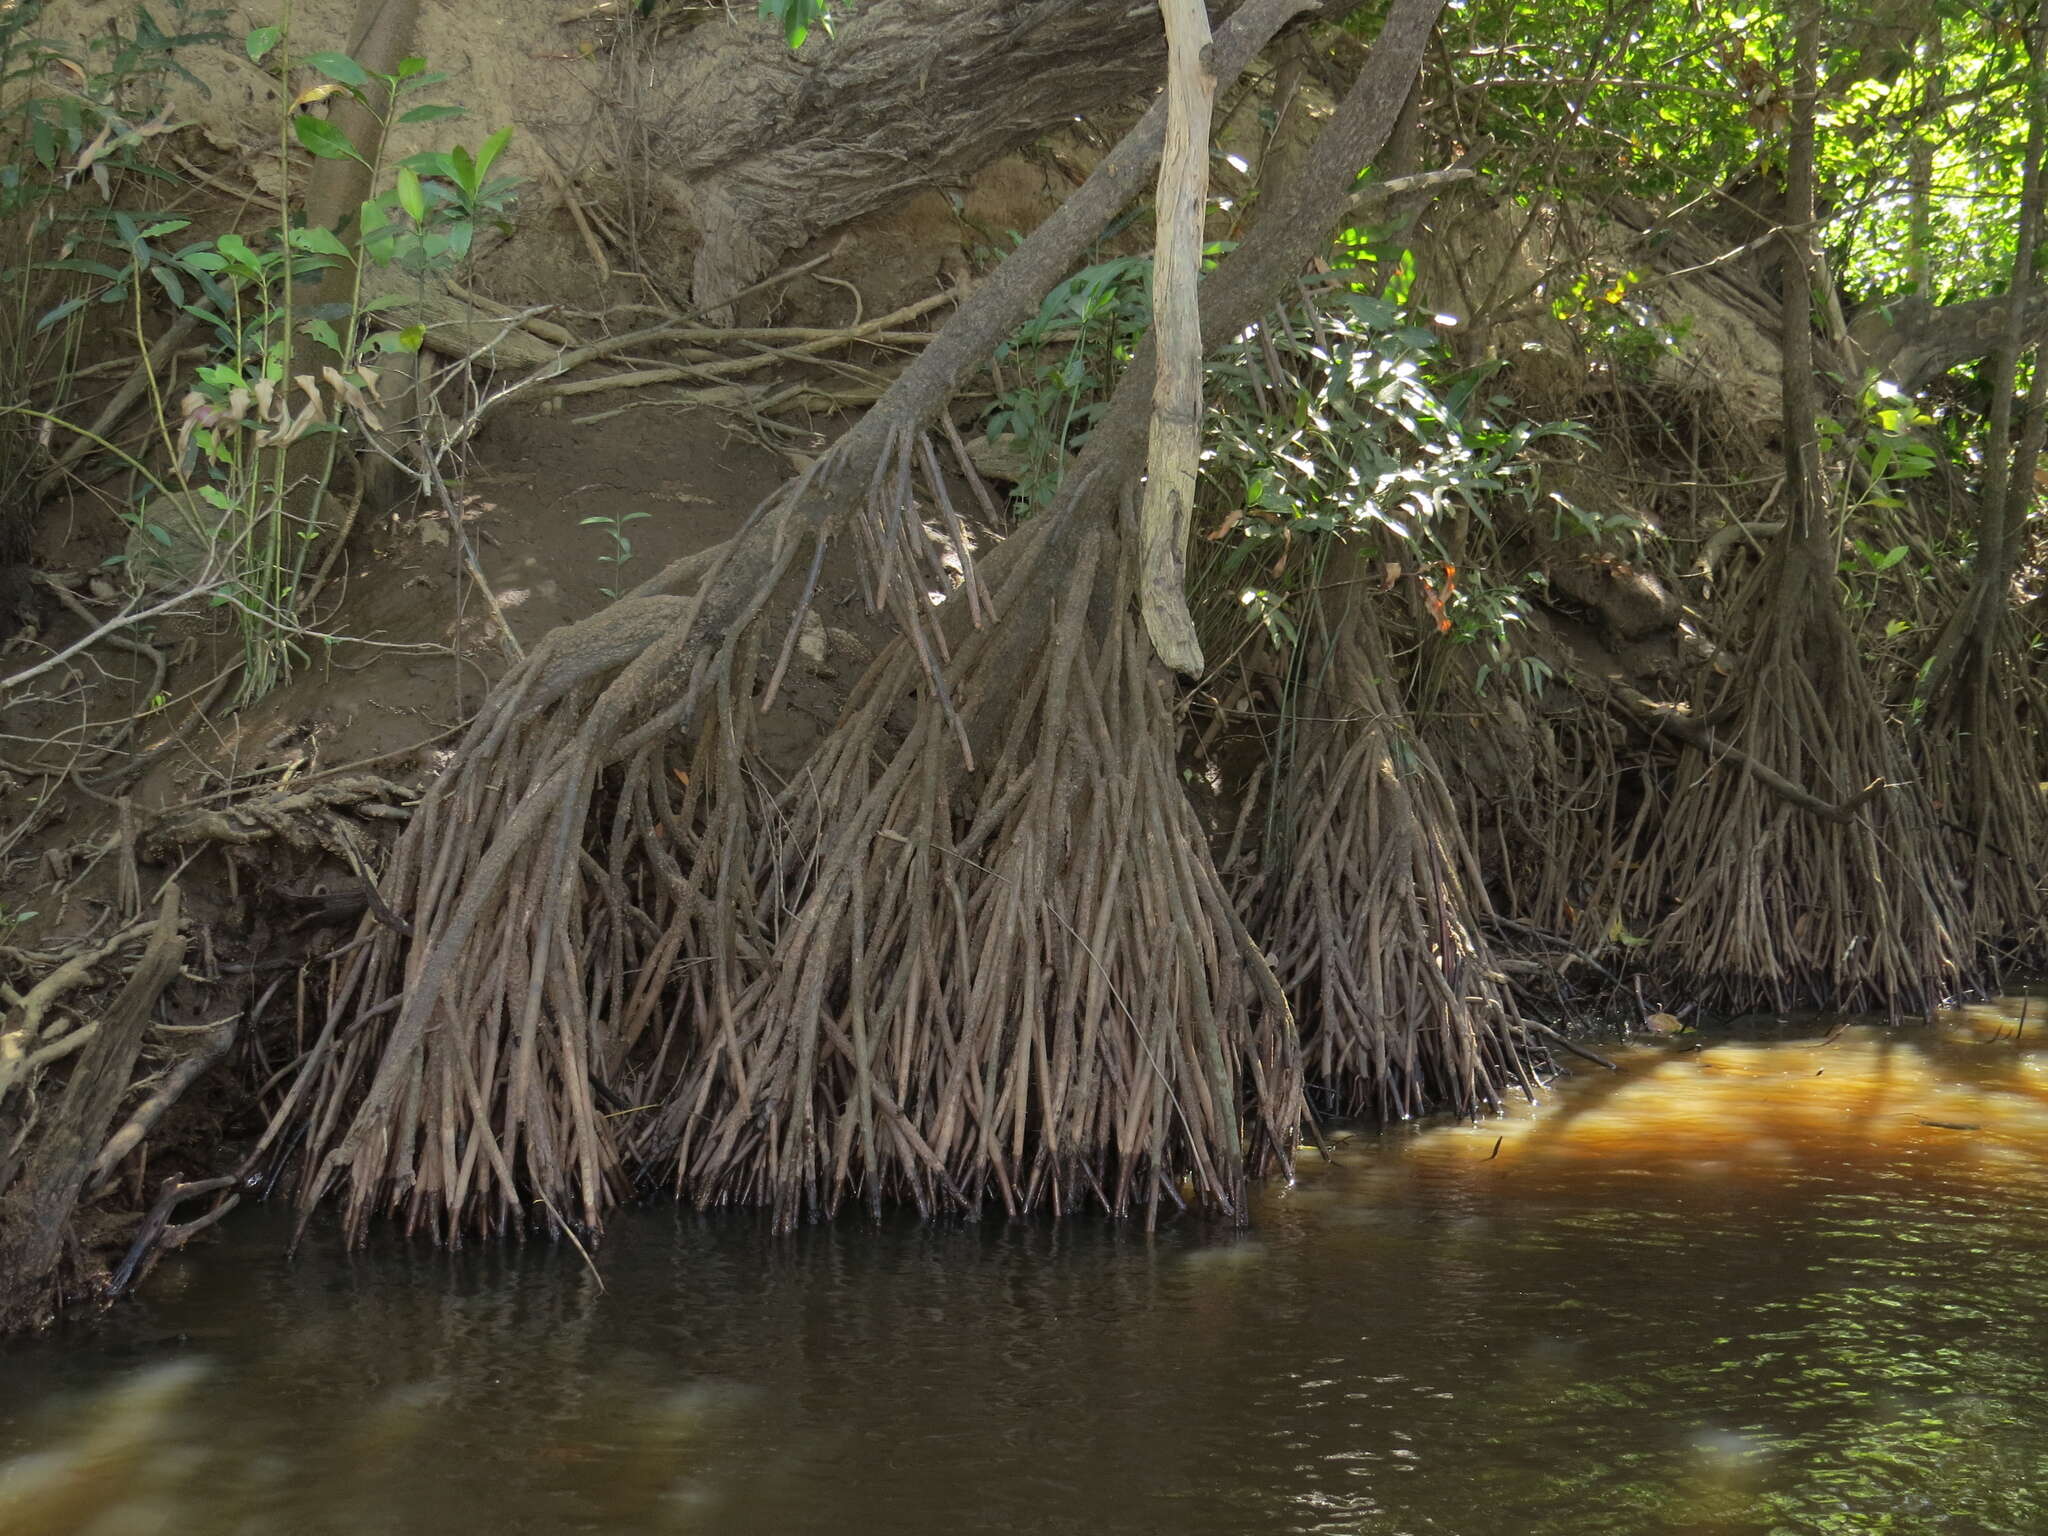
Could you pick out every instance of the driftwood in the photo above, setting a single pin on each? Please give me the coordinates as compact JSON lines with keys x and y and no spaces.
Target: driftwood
{"x":217,"y":1042}
{"x":36,"y":1205}
{"x":1667,"y":719}
{"x":158,"y":1237}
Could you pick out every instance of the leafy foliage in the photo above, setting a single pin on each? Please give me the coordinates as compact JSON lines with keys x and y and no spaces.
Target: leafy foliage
{"x":1342,"y":419}
{"x":99,"y":121}
{"x":1338,"y":418}
{"x":798,"y":17}
{"x":225,"y":482}
{"x":1068,"y":358}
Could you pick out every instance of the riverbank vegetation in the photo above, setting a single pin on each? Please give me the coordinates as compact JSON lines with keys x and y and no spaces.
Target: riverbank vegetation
{"x":1535,"y":524}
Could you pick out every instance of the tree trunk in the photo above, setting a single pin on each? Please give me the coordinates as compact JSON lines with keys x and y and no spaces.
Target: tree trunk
{"x":1966,"y":640}
{"x":854,"y":1022}
{"x":1842,"y":893}
{"x":1176,"y":452}
{"x":1979,"y":695}
{"x":335,"y":193}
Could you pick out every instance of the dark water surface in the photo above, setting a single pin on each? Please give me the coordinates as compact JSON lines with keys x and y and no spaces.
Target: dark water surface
{"x":1755,"y":1288}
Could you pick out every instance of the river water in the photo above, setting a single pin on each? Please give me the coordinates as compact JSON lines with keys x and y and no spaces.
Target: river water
{"x":1766,"y":1287}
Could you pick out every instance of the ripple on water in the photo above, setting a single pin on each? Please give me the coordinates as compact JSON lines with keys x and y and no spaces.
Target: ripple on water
{"x":1794,"y":1289}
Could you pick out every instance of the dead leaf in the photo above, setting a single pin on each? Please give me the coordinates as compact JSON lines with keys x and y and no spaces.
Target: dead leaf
{"x":1230,"y":520}
{"x":106,"y":139}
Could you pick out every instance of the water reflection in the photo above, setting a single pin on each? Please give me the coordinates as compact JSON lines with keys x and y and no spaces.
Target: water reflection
{"x":1784,"y":1288}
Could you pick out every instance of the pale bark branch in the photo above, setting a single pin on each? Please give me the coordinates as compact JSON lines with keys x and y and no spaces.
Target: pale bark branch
{"x":1174,"y":459}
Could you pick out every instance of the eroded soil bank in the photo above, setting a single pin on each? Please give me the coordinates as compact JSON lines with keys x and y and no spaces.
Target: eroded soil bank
{"x":709,"y":789}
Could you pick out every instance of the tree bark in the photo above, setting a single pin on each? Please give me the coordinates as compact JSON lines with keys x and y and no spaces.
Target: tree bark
{"x":1293,"y":228}
{"x":1805,"y":488}
{"x":335,"y":193}
{"x":337,"y":189}
{"x":1176,"y":450}
{"x":2007,"y":482}
{"x":1912,"y":344}
{"x":778,"y":147}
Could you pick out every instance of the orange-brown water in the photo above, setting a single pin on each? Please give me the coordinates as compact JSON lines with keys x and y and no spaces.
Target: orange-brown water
{"x":1753,"y":1288}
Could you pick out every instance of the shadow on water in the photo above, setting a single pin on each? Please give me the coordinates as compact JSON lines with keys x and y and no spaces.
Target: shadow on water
{"x":1792,"y":1286}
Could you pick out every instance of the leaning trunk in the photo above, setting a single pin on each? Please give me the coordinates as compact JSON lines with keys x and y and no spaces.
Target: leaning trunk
{"x":1800,"y":862}
{"x":817,"y":997}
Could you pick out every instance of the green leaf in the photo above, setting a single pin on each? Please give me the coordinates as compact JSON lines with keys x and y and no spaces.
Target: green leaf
{"x":494,"y":146}
{"x":322,"y":332}
{"x":324,"y":242}
{"x":236,"y":249}
{"x":323,"y":140}
{"x":167,"y":279}
{"x":167,"y":227}
{"x":79,"y":264}
{"x":339,"y":66}
{"x":410,"y":196}
{"x":261,"y":41}
{"x":51,"y":316}
{"x":430,"y":162}
{"x":409,"y":67}
{"x":431,"y":114}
